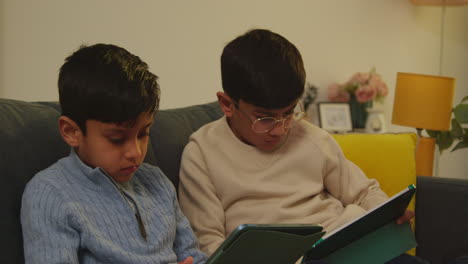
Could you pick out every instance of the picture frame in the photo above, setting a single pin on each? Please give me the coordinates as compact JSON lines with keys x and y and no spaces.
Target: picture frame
{"x":335,"y":116}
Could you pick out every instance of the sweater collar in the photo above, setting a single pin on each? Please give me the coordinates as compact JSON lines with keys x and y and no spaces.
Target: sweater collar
{"x":94,"y":178}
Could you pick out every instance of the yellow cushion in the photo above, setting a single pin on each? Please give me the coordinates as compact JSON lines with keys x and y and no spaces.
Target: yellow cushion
{"x":389,"y":158}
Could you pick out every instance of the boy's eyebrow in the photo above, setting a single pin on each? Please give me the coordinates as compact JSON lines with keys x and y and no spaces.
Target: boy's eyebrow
{"x":122,"y":130}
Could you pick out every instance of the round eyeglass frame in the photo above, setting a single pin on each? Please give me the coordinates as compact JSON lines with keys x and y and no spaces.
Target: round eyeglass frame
{"x":286,"y":121}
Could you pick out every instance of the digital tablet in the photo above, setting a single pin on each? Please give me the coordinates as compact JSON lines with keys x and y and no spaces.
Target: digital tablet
{"x":266,"y":243}
{"x":378,"y":217}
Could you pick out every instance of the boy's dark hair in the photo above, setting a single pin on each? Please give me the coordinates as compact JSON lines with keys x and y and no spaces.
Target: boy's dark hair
{"x":106,"y":83}
{"x":262,"y":68}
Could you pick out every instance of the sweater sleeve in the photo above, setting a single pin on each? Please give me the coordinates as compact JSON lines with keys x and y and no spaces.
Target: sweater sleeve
{"x":49,"y":235}
{"x":199,"y":201}
{"x":348,"y":183}
{"x":186,"y":243}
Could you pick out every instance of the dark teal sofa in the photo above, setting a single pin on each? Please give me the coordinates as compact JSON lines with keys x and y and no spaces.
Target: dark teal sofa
{"x":30,"y":142}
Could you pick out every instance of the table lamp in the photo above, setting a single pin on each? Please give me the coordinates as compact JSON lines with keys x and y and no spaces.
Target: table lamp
{"x":423,"y":102}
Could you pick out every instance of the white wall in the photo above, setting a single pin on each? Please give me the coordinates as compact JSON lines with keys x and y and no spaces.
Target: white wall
{"x":182,"y":42}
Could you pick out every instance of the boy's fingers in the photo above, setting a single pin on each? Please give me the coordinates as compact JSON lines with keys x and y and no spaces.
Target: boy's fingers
{"x":407,"y":216}
{"x":188,"y":260}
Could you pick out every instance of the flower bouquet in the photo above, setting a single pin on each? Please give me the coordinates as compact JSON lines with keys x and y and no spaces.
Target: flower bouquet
{"x":361,"y":90}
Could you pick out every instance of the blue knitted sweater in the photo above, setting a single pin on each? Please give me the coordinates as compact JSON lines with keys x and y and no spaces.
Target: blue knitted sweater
{"x":72,"y":213}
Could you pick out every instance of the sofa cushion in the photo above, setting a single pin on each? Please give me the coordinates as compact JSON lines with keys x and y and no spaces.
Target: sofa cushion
{"x":30,"y":142}
{"x":171,"y":131}
{"x":389,"y":158}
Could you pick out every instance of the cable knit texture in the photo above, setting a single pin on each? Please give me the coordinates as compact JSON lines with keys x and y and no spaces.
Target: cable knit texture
{"x":72,"y":213}
{"x":225,"y":183}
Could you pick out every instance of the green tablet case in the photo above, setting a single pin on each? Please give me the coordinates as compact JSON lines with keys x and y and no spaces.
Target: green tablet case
{"x":265,"y":246}
{"x":372,"y":238}
{"x":379,"y":246}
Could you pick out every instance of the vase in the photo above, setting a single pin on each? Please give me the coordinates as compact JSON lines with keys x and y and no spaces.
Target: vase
{"x":375,"y":121}
{"x":358,"y":112}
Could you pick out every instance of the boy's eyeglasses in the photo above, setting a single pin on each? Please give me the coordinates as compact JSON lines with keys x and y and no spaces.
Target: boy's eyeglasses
{"x":266,"y":124}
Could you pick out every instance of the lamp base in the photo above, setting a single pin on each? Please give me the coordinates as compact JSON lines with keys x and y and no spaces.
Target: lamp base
{"x":425,"y":156}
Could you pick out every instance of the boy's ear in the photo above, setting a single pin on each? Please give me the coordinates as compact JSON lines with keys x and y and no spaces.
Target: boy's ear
{"x":70,"y":131}
{"x":226,"y":103}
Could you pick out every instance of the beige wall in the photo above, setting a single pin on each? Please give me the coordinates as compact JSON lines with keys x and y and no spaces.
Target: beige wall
{"x":455,"y":63}
{"x":182,"y":41}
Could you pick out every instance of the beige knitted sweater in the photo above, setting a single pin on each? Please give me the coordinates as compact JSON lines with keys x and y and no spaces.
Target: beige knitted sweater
{"x":225,"y":183}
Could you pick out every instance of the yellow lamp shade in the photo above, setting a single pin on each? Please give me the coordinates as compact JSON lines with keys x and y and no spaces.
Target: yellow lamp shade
{"x":423,"y":101}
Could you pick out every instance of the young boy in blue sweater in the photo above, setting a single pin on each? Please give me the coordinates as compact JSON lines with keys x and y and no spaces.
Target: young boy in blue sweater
{"x":102,"y":204}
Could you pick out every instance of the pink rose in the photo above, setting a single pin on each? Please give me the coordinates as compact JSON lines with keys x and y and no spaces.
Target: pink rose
{"x":379,"y":85}
{"x":360,"y":78}
{"x":365,"y":93}
{"x":337,"y":94}
{"x":382,"y":90}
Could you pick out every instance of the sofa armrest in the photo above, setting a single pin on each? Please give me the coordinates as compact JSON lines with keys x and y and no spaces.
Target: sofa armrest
{"x":441,"y":218}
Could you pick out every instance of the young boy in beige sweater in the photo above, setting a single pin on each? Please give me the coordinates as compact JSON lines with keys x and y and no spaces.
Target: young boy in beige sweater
{"x":261,"y":162}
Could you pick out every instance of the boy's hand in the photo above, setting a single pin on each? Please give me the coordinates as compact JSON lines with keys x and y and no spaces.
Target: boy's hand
{"x":406,"y":217}
{"x":188,"y":260}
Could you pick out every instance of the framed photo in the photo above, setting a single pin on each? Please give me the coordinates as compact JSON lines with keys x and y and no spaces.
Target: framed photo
{"x":335,"y":117}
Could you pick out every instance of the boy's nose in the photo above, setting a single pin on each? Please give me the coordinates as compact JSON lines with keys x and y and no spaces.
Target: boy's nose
{"x":278,"y":129}
{"x":133,"y":150}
